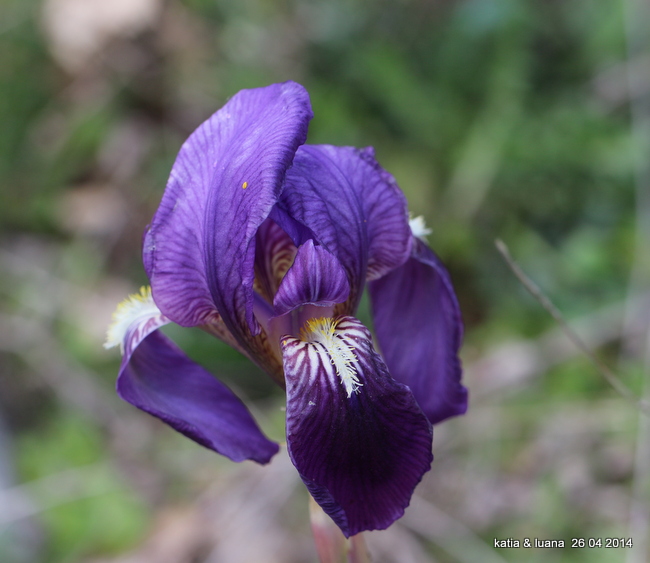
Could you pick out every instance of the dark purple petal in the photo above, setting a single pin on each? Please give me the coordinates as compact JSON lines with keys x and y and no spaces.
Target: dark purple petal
{"x":199,"y":250}
{"x":353,"y":207}
{"x":158,"y":378}
{"x":357,"y":437}
{"x":161,"y":380}
{"x":419,"y":329}
{"x":315,"y":278}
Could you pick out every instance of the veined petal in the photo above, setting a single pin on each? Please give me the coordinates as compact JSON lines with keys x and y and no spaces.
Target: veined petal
{"x":315,"y":278}
{"x":158,"y":378}
{"x":199,"y":250}
{"x":357,"y":437}
{"x":419,"y":329}
{"x":274,"y":254}
{"x":353,"y":207}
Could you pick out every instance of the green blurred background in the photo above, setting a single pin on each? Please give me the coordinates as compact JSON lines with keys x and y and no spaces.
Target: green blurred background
{"x":525,"y":120}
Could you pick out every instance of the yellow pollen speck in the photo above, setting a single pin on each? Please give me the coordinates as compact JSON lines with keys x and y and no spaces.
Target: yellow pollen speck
{"x":244,"y":185}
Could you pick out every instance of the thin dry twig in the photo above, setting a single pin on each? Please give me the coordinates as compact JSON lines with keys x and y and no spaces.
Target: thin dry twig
{"x":571,"y":334}
{"x":515,"y":362}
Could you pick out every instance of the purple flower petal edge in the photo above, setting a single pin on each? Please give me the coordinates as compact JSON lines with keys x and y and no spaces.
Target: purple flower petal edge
{"x":360,"y":453}
{"x":353,"y":208}
{"x":158,"y":378}
{"x":419,"y":329}
{"x":199,"y":249}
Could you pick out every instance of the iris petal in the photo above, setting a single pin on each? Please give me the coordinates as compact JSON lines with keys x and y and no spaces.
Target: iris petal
{"x":158,"y":378}
{"x":199,"y":250}
{"x":353,"y":207}
{"x":315,"y":278}
{"x":419,"y":329}
{"x":357,"y":437}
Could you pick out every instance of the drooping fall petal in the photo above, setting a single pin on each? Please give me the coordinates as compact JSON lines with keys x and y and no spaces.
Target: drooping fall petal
{"x":419,"y":329}
{"x":357,"y":437}
{"x":158,"y":378}
{"x":161,"y":380}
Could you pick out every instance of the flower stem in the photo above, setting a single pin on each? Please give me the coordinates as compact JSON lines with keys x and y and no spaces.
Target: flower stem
{"x":331,"y":545}
{"x":357,"y":550}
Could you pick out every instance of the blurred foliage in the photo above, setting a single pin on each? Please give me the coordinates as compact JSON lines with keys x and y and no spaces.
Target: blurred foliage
{"x":499,"y":118}
{"x":98,"y":515}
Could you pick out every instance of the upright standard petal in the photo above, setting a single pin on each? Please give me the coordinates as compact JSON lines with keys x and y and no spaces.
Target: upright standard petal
{"x":353,"y":207}
{"x":158,"y":378}
{"x":199,"y":250}
{"x":357,"y":437}
{"x":315,"y":278}
{"x":419,"y":329}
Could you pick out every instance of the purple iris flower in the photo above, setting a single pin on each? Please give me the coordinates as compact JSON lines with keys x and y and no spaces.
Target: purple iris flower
{"x":268,"y":244}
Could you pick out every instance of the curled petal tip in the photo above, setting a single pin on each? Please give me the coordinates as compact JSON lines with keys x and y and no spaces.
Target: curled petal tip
{"x":137,"y":310}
